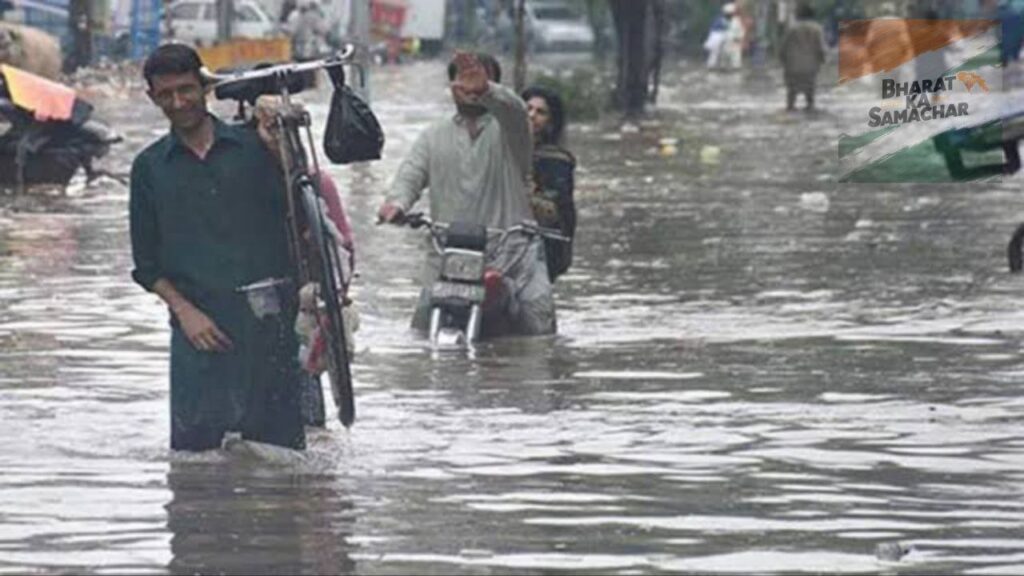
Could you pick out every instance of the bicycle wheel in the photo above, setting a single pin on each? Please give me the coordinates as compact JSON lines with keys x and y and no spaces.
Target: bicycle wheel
{"x":326,"y":265}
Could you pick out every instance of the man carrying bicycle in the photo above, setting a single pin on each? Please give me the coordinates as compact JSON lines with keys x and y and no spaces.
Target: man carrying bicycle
{"x":207,"y":213}
{"x":478,"y":167}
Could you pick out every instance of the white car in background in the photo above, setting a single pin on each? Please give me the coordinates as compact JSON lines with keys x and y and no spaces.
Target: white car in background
{"x":556,"y":26}
{"x":195,"y":21}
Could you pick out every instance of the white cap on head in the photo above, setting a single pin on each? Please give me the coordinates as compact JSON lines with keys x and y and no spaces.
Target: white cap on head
{"x":729,"y":8}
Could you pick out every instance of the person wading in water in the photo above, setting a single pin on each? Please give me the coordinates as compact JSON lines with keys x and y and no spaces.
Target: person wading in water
{"x":207,"y":212}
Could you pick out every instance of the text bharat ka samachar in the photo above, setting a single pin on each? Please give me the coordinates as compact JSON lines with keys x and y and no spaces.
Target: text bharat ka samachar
{"x":912,"y":80}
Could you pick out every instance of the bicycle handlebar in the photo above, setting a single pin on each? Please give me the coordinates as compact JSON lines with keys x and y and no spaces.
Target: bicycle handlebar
{"x":250,"y":84}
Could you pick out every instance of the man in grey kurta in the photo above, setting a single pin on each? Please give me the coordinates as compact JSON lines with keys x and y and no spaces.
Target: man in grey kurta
{"x":803,"y":52}
{"x":477,"y":165}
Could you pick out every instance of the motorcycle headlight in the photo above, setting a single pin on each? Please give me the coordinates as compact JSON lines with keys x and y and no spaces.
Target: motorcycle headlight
{"x":462,"y":265}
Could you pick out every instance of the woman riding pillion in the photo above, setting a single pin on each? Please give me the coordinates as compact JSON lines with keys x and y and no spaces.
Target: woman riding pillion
{"x":553,"y":176}
{"x":478,"y":166}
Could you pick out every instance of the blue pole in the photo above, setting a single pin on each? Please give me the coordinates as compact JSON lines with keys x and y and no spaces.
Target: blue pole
{"x":145,"y":27}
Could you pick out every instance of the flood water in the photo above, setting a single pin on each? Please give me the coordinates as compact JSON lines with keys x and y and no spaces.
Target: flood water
{"x":757,"y":370}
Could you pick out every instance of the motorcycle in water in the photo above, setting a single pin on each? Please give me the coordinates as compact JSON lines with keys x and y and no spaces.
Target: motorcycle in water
{"x":466,"y":288}
{"x":49,"y":134}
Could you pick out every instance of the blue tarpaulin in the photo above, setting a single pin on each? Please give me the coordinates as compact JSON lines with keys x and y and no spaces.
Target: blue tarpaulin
{"x":145,"y":27}
{"x":139,"y":20}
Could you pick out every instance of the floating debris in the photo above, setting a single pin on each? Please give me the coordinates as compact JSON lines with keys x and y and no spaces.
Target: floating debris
{"x":710,"y":155}
{"x":668,"y":147}
{"x":814,"y":201}
{"x":892,"y":551}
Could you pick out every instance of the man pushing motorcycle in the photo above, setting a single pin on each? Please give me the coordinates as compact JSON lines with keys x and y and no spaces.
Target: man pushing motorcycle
{"x":477,"y":165}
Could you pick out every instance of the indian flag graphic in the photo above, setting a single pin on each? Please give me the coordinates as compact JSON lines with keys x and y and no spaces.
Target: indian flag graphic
{"x":928,"y":101}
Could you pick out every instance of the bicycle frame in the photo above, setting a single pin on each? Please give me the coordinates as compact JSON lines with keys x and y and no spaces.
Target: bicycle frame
{"x":313,"y":251}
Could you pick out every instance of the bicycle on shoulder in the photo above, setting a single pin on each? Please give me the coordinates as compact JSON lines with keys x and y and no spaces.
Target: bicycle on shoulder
{"x":324,"y":274}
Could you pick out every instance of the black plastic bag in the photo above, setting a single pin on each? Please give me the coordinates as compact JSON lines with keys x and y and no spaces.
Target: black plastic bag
{"x":353,"y":133}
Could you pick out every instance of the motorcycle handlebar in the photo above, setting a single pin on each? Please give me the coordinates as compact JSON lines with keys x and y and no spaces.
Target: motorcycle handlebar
{"x":417,"y":220}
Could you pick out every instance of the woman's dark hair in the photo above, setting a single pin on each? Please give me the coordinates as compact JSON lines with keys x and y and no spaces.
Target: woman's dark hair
{"x":556,"y":126}
{"x":804,"y":11}
{"x":171,"y":59}
{"x":490,"y":65}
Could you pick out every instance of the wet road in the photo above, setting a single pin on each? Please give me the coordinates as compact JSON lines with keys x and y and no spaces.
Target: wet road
{"x":757,"y":371}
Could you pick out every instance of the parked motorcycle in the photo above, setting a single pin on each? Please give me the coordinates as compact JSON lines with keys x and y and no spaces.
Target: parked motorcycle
{"x":49,"y":132}
{"x":466,"y":288}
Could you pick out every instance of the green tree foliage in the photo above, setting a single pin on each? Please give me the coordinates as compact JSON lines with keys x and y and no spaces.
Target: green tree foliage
{"x":585,"y":92}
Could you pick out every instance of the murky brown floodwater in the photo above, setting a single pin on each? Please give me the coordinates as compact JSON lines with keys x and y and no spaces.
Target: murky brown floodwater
{"x":756,"y":371}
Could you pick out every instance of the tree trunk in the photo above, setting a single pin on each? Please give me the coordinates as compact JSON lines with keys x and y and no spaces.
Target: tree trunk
{"x":656,"y":25}
{"x":520,"y":70}
{"x":597,"y":16}
{"x":225,"y":11}
{"x":81,"y":25}
{"x":469,"y":29}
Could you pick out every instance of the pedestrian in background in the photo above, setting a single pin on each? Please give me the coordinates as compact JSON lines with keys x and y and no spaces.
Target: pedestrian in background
{"x":1012,"y":30}
{"x":735,"y":36}
{"x":716,"y":40}
{"x":930,"y":63}
{"x":803,"y":52}
{"x":308,"y":27}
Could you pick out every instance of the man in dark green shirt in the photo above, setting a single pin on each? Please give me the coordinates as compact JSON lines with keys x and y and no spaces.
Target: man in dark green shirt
{"x":207,"y":220}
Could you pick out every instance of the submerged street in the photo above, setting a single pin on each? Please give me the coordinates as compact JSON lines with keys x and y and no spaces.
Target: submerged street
{"x":757,"y":370}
